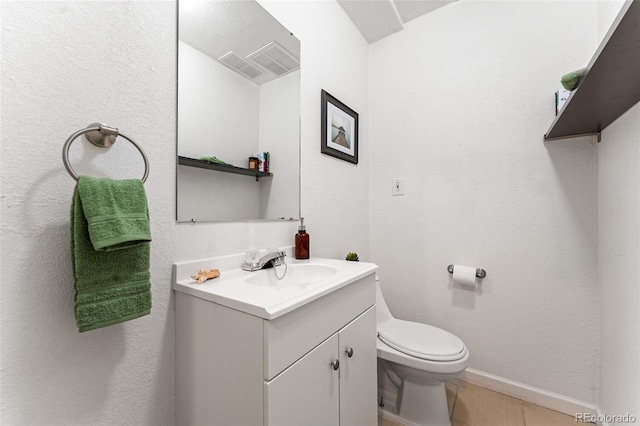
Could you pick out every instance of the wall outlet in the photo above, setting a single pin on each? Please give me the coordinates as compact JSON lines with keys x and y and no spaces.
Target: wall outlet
{"x":397,"y":186}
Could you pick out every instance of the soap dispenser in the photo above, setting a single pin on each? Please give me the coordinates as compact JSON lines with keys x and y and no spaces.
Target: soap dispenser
{"x":302,"y":242}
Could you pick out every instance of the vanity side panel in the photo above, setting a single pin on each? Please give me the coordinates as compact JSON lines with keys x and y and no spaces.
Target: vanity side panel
{"x":291,"y":336}
{"x":219,"y":352}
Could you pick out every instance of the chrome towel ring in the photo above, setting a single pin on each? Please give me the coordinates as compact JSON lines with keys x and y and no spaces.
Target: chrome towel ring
{"x":101,"y":136}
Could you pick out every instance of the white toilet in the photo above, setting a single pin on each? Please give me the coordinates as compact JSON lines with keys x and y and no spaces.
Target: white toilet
{"x":418,"y":359}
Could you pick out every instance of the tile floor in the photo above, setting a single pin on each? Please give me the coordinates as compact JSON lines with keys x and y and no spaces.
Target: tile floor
{"x":471,"y":405}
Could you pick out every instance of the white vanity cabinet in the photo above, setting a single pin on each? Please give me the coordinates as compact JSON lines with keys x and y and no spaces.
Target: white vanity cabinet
{"x":314,"y":365}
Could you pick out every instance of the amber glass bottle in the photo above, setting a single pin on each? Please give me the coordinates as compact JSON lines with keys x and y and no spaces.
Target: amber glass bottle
{"x":302,"y":242}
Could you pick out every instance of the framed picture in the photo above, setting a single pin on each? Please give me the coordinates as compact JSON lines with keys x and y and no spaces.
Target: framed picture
{"x":339,"y":129}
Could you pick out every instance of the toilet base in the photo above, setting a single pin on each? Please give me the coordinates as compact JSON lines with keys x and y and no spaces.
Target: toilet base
{"x":424,"y":403}
{"x":396,"y":418}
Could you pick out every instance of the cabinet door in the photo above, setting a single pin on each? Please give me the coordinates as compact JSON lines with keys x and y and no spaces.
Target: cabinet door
{"x":306,"y":393}
{"x":358,"y":372}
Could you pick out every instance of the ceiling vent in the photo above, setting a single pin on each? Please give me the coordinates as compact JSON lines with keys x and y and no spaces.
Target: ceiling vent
{"x":275,"y":58}
{"x":240,"y":65}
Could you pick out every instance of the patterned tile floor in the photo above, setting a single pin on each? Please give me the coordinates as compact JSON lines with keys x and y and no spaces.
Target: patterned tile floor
{"x":471,"y":405}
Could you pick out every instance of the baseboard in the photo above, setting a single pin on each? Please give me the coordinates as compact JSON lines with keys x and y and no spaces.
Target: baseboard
{"x":601,"y":418}
{"x":544,"y":398}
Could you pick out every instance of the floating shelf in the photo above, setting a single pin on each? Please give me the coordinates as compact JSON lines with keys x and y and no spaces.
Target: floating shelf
{"x":202,"y":164}
{"x":611,"y":83}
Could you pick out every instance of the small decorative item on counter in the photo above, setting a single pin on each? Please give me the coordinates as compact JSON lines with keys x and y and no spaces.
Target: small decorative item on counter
{"x":253,"y":163}
{"x":205,"y":274}
{"x":352,"y":257}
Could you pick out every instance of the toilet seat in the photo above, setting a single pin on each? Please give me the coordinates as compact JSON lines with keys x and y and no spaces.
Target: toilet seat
{"x":421,"y":340}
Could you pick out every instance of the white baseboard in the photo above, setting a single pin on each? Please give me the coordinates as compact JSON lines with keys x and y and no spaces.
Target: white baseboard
{"x":601,"y":416}
{"x":551,"y":400}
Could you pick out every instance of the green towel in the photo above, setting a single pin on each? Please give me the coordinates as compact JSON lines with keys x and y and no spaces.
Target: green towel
{"x":570,"y":81}
{"x":112,"y":282}
{"x":116,"y":211}
{"x":214,"y":160}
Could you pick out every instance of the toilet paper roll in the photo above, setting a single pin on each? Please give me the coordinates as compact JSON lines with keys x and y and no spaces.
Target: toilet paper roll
{"x":464,"y":275}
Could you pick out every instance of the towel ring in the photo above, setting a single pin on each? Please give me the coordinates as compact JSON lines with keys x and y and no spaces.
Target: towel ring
{"x":101,"y":136}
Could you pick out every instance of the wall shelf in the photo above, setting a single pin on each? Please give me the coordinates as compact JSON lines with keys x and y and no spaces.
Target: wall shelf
{"x":611,"y":83}
{"x":202,"y":164}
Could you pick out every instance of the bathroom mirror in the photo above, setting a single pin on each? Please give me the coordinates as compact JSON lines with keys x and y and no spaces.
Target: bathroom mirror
{"x":238,"y":98}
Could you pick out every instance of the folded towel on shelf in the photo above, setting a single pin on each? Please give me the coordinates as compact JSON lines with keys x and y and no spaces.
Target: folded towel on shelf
{"x":214,"y":160}
{"x":570,"y":80}
{"x":111,"y":259}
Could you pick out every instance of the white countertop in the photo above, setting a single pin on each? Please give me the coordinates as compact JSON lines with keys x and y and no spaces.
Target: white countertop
{"x":266,"y":301}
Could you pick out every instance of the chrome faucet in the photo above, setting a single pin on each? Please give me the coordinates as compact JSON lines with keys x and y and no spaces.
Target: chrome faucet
{"x":271,"y":258}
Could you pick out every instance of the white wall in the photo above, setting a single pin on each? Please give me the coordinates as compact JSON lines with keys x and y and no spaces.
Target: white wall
{"x":335,"y":194}
{"x":619,"y":254}
{"x":218,"y":116}
{"x":65,"y":65}
{"x":460,"y":115}
{"x":618,"y":265}
{"x":279,"y":134}
{"x":68,"y":64}
{"x":211,"y":93}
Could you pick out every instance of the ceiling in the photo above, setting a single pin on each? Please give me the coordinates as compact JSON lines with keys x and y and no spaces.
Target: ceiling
{"x":241,"y":29}
{"x":377,"y":19}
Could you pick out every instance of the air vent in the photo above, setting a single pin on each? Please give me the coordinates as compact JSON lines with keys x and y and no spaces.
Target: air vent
{"x":275,"y":58}
{"x":240,"y":65}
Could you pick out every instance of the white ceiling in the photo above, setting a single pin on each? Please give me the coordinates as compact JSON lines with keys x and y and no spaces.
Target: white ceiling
{"x":243,"y":27}
{"x":377,"y":19}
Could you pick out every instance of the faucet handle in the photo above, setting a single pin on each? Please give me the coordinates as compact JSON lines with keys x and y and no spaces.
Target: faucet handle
{"x":252,"y":257}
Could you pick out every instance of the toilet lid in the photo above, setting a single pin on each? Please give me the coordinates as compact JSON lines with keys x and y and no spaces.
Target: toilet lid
{"x":421,"y":340}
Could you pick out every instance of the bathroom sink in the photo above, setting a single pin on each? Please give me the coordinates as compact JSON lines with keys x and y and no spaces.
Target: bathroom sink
{"x":296,"y":275}
{"x":261,"y":293}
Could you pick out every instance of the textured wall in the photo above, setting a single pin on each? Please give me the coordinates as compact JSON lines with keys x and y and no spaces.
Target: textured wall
{"x":210,"y":91}
{"x":618,"y":253}
{"x":618,"y":265}
{"x":65,"y":65}
{"x":335,"y":194}
{"x":68,"y":64}
{"x":460,"y":115}
{"x":280,"y":135}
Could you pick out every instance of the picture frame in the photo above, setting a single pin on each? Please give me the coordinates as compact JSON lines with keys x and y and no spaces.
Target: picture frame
{"x":339,"y":129}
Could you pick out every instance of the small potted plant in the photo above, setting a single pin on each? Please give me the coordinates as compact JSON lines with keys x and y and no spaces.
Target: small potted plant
{"x":352,"y":257}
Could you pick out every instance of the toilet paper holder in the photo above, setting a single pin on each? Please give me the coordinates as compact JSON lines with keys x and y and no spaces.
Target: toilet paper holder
{"x":480,"y":273}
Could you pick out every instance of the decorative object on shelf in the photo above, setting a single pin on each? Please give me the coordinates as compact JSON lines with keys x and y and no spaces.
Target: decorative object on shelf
{"x":214,"y":160}
{"x":353,"y":257}
{"x":263,"y":161}
{"x":570,"y":80}
{"x":253,"y":163}
{"x":205,"y":274}
{"x":339,"y":129}
{"x":561,"y":98}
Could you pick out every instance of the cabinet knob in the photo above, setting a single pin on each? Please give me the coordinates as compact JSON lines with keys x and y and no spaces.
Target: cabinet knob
{"x":335,"y":364}
{"x":349,"y":352}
